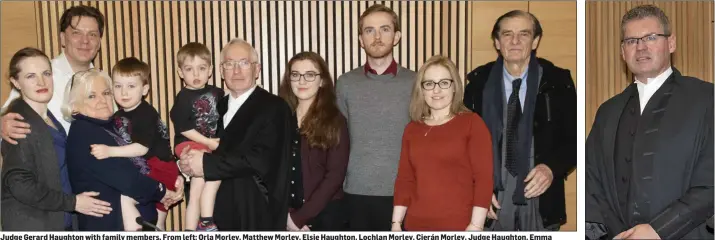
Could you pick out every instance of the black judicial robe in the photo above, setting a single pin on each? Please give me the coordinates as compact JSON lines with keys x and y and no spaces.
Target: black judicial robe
{"x":253,"y":164}
{"x":672,"y":176}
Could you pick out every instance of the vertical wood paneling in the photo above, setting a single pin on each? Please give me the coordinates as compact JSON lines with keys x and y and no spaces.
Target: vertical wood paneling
{"x":154,"y":31}
{"x":485,"y":14}
{"x":17,"y":30}
{"x":558,"y":44}
{"x":607,"y":74}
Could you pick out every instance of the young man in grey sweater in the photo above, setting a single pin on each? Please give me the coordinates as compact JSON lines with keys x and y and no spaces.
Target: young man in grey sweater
{"x":375,"y":99}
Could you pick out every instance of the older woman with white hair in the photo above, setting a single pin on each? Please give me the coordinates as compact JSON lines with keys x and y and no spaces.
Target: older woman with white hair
{"x":89,"y":105}
{"x":36,"y":193}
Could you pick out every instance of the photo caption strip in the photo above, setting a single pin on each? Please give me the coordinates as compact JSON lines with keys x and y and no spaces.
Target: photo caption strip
{"x":289,"y":236}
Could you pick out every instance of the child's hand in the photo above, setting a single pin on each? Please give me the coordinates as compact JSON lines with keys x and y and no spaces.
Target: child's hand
{"x":100,"y":151}
{"x":213,"y":144}
{"x":179,"y":183}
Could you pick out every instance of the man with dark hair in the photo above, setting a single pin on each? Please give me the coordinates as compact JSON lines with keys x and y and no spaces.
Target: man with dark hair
{"x":649,"y":156}
{"x":375,"y":100}
{"x":529,"y":106}
{"x":81,"y":28}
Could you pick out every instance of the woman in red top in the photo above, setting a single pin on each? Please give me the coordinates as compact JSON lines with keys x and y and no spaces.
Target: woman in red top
{"x":444,"y":180}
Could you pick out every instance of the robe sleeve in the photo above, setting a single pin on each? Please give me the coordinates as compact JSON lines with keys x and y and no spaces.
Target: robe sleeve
{"x":259,"y":156}
{"x":696,"y":205}
{"x":595,"y":221}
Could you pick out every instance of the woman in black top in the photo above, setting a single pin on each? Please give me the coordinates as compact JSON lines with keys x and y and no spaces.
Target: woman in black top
{"x":321,"y":145}
{"x":36,"y":193}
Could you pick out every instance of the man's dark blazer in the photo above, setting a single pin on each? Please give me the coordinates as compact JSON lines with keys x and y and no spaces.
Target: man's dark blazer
{"x":253,"y":165}
{"x":32,"y":197}
{"x":679,"y":188}
{"x":554,"y":128}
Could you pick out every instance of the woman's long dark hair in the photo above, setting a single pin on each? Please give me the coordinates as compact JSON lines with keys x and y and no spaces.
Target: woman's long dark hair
{"x":321,"y":124}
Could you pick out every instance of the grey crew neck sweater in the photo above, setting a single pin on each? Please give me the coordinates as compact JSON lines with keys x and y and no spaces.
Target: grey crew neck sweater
{"x":377,"y":110}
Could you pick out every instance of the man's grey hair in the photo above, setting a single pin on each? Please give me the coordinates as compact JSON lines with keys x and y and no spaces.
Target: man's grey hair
{"x":240,"y":41}
{"x":645,"y":11}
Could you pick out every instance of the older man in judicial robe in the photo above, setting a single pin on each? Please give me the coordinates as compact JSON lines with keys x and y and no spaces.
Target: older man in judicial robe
{"x":252,"y":157}
{"x":649,"y":156}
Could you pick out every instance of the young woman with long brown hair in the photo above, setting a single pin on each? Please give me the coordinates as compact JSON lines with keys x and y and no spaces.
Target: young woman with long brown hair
{"x":320,"y":146}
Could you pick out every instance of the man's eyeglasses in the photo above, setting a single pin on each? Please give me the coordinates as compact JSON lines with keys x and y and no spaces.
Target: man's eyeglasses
{"x":648,"y":39}
{"x":443,"y":84}
{"x":309,"y":76}
{"x":243,"y":64}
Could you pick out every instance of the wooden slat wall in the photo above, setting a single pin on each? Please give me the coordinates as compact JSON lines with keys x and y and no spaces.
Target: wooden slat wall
{"x":558,"y":20}
{"x":154,"y":32}
{"x":16,"y":28}
{"x":606,"y":72}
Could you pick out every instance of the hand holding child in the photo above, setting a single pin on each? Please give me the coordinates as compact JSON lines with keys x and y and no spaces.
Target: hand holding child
{"x":100,"y":151}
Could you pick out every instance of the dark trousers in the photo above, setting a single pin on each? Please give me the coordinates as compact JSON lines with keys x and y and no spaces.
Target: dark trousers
{"x":369,"y":213}
{"x":332,"y":218}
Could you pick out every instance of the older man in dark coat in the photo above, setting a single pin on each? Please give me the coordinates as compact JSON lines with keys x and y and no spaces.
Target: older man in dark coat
{"x":252,"y":159}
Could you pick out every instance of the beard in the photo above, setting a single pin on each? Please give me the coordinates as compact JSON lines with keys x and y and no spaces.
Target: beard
{"x":378,"y":50}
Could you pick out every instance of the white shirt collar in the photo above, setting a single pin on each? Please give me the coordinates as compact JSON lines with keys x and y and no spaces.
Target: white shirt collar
{"x":63,"y":65}
{"x":61,"y":74}
{"x":646,"y":91}
{"x":234,"y":104}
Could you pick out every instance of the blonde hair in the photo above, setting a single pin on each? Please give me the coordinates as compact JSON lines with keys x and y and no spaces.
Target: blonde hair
{"x":79,"y":86}
{"x":193,"y":50}
{"x":419,"y":110}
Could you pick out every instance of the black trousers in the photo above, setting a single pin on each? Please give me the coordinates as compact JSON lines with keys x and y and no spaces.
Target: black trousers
{"x":332,"y":218}
{"x":369,"y":213}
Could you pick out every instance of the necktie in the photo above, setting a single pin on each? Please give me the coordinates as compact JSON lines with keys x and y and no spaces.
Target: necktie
{"x":513,"y":114}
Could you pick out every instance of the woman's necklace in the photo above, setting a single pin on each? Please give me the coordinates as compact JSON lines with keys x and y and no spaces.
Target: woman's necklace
{"x":440,"y":120}
{"x":49,"y":122}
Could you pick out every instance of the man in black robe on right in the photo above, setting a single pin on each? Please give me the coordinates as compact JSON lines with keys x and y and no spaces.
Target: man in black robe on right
{"x":649,"y":155}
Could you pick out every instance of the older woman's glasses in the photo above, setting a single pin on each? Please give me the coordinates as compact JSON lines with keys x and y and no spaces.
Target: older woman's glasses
{"x":243,"y":64}
{"x":309,"y":76}
{"x":79,"y":74}
{"x":443,"y":84}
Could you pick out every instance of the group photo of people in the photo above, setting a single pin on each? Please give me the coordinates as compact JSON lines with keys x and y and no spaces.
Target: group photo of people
{"x":357,"y":116}
{"x":378,"y":148}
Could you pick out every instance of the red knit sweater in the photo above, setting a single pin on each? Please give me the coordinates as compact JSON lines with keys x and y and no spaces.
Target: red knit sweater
{"x":444,"y":172}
